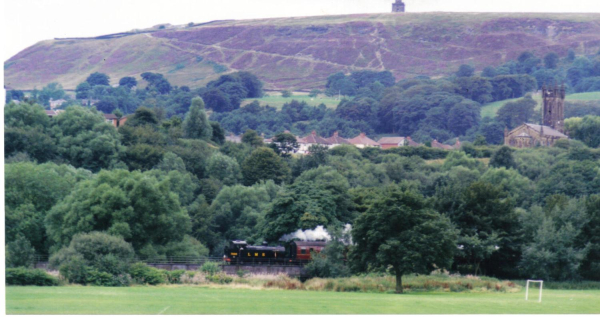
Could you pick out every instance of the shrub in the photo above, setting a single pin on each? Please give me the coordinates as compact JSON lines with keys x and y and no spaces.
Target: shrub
{"x":174,"y":276}
{"x":144,"y":274}
{"x":284,"y":282}
{"x":19,"y":253}
{"x":24,"y":276}
{"x":210,"y":268}
{"x":220,"y":278}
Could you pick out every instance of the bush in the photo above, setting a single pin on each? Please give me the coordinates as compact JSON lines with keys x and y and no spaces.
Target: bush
{"x":24,"y":276}
{"x":220,"y":278}
{"x":144,"y":274}
{"x":174,"y":277}
{"x":210,"y":268}
{"x":20,"y":253}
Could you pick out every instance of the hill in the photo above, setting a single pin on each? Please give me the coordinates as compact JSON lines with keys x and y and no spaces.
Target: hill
{"x":299,"y":53}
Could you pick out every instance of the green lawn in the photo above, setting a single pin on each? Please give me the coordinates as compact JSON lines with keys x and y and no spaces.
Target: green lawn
{"x":275,"y":100}
{"x":204,"y":300}
{"x":490,"y":109}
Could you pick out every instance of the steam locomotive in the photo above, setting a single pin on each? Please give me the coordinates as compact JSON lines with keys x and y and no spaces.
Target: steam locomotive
{"x":297,"y":252}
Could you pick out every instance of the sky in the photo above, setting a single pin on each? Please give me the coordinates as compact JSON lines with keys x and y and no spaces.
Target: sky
{"x":27,"y":22}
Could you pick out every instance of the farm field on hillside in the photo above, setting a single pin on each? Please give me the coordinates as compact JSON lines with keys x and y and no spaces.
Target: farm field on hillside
{"x":490,"y":109}
{"x":203,"y":300}
{"x":276,"y":100}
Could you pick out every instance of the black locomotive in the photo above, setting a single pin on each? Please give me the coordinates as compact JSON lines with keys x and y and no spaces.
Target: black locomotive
{"x":296,"y":252}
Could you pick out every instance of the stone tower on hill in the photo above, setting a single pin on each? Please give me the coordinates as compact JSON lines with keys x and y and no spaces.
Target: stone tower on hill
{"x":553,"y":114}
{"x":398,"y":6}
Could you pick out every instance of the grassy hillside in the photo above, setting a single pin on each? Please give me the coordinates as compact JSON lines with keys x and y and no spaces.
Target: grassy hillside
{"x":299,"y":53}
{"x":490,"y":109}
{"x":275,"y":99}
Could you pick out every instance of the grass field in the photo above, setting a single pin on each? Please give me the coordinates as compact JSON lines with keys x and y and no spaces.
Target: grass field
{"x":275,"y":100}
{"x":205,"y":300}
{"x":490,"y":109}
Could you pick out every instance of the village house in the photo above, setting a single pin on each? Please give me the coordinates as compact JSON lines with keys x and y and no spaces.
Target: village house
{"x":391,"y":142}
{"x":56,"y":103}
{"x":362,"y":141}
{"x":112,"y":119}
{"x":336,"y":140}
{"x":309,"y":140}
{"x":438,"y":145}
{"x":234,"y":138}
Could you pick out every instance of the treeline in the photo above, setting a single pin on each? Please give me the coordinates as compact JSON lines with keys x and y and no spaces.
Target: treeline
{"x":156,"y":188}
{"x":374,"y":102}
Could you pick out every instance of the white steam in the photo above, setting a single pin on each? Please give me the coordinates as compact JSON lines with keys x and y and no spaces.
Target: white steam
{"x":318,"y":233}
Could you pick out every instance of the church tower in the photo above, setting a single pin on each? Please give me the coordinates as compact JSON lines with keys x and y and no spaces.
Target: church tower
{"x":398,"y":6}
{"x":554,"y":107}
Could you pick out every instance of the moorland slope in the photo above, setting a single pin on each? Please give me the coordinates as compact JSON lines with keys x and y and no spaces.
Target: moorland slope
{"x":299,"y":53}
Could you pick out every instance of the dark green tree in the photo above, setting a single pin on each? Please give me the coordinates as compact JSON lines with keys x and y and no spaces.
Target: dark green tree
{"x":284,"y":144}
{"x":252,"y":138}
{"x":263,"y":164}
{"x":401,"y":231}
{"x":98,"y":78}
{"x":195,"y":124}
{"x":465,"y":71}
{"x":503,"y":157}
{"x":128,"y":82}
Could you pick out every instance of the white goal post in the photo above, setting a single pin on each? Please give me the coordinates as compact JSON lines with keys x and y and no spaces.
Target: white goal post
{"x":527,"y":289}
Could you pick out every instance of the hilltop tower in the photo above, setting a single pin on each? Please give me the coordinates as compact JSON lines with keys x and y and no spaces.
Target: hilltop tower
{"x":398,"y":6}
{"x":553,"y":114}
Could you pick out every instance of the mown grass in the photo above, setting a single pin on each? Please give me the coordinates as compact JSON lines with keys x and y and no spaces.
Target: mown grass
{"x":213,"y":300}
{"x":490,"y":109}
{"x":274,"y":99}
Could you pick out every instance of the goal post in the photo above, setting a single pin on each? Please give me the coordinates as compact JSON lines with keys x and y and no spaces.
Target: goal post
{"x":527,"y":289}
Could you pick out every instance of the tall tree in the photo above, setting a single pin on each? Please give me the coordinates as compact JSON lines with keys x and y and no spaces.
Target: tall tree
{"x":264,"y":164}
{"x":195,"y":124}
{"x":401,"y":231}
{"x":98,"y":78}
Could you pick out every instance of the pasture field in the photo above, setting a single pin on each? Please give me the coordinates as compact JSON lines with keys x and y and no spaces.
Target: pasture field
{"x":276,"y":100}
{"x":490,"y":109}
{"x":206,"y":300}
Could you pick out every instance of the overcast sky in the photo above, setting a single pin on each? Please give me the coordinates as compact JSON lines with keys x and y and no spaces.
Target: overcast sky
{"x":28,"y":21}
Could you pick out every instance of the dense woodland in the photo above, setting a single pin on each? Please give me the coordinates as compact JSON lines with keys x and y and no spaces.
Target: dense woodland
{"x":167,"y":184}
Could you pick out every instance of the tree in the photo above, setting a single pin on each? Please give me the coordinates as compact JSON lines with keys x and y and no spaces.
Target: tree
{"x":85,"y":139}
{"x":238,"y":210}
{"x":94,"y":250}
{"x":128,"y":82}
{"x":223,"y":168}
{"x":252,"y":138}
{"x":217,"y":100}
{"x":27,"y":130}
{"x":503,"y":158}
{"x":98,"y":79}
{"x":284,"y":144}
{"x":551,"y":60}
{"x":83,"y":90}
{"x":286,"y":93}
{"x":465,"y":71}
{"x":129,"y":204}
{"x":551,"y":251}
{"x":19,"y":252}
{"x":590,"y":266}
{"x":515,"y":113}
{"x":317,"y":197}
{"x":401,"y":231}
{"x":218,"y":133}
{"x":31,"y":191}
{"x":586,"y":129}
{"x":195,"y":124}
{"x":264,"y":164}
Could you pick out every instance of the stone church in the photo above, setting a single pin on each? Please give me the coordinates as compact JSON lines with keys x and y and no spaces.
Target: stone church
{"x":552,"y":127}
